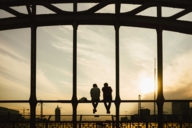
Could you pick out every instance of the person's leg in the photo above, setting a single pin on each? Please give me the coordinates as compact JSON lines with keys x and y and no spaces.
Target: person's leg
{"x":105,"y":103}
{"x":108,"y":107}
{"x":96,"y":104}
{"x":93,"y":104}
{"x":94,"y":108}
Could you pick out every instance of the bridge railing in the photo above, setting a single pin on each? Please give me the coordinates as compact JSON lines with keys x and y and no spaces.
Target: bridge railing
{"x":84,"y":118}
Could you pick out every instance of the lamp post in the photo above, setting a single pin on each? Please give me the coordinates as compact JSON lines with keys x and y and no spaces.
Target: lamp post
{"x":24,"y":110}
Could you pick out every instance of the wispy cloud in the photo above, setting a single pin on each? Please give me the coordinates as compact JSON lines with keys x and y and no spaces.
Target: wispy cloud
{"x":46,"y":89}
{"x":14,"y":76}
{"x":178,"y":73}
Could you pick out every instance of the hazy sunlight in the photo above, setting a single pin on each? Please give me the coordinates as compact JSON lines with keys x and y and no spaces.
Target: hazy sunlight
{"x":146,"y":85}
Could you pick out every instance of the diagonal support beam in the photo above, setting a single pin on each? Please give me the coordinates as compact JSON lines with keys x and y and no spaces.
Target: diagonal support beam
{"x":53,"y":8}
{"x":99,"y":6}
{"x":140,"y":9}
{"x":180,"y":14}
{"x":12,"y":11}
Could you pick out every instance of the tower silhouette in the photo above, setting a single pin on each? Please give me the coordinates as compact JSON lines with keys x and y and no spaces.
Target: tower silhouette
{"x":57,"y":113}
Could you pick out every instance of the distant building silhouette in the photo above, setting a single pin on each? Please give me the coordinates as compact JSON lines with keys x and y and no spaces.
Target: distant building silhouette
{"x":4,"y":111}
{"x":180,"y":108}
{"x":57,"y":114}
{"x":144,"y":112}
{"x":9,"y":114}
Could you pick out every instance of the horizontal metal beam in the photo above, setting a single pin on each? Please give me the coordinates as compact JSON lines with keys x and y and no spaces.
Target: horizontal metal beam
{"x":89,"y":101}
{"x":167,"y":3}
{"x":97,"y":19}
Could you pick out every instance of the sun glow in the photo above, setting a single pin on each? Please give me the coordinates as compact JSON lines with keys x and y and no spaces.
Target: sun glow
{"x":146,"y":85}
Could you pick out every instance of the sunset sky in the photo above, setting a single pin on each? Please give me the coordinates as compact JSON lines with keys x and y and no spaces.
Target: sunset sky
{"x":95,"y":62}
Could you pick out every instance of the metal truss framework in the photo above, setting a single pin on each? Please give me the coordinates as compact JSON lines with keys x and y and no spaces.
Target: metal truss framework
{"x":90,"y":17}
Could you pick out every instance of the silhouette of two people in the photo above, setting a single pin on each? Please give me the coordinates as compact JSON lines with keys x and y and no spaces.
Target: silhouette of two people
{"x":107,"y":97}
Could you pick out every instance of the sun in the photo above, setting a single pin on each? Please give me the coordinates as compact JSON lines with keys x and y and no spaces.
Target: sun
{"x":146,"y":85}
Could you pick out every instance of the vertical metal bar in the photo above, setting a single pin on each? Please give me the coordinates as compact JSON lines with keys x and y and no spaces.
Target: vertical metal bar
{"x":112,"y":117}
{"x":33,"y":99}
{"x":74,"y":97}
{"x":80,"y":121}
{"x":154,"y":88}
{"x":117,"y":8}
{"x":117,"y":98}
{"x":180,"y":124}
{"x":75,"y":6}
{"x":160,"y":97}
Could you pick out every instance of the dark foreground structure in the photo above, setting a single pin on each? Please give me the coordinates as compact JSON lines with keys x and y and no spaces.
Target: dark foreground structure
{"x":97,"y":121}
{"x":89,"y":17}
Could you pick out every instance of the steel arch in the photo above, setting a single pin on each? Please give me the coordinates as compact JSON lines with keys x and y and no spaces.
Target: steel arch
{"x":89,"y":16}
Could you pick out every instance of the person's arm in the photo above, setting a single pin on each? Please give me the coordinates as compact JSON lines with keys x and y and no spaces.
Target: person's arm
{"x":103,"y":90}
{"x":91,"y":93}
{"x":111,"y":89}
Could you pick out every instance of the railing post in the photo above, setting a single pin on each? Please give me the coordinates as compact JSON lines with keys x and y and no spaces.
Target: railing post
{"x":146,"y":125}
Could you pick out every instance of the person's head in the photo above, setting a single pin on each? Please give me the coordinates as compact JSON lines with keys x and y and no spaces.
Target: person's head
{"x":94,"y":85}
{"x":105,"y":84}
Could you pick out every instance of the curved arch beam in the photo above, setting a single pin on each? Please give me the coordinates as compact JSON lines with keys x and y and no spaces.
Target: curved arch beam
{"x":97,"y":19}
